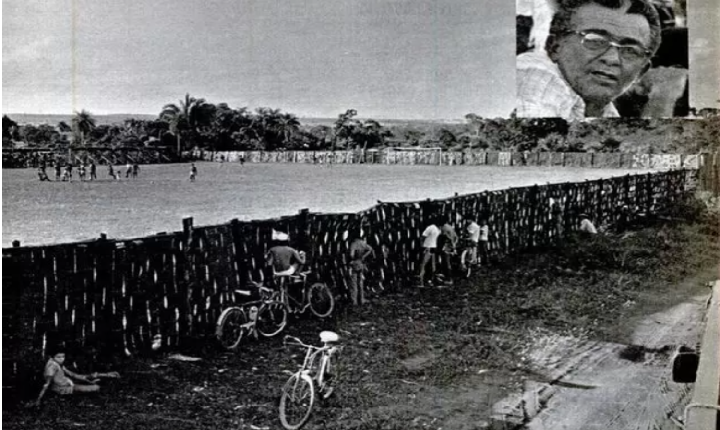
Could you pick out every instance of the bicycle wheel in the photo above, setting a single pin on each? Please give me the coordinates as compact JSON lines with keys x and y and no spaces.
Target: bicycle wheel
{"x":230,"y":327}
{"x":321,"y":300}
{"x":271,"y":318}
{"x":329,"y":379}
{"x":465,"y":264}
{"x":296,"y":401}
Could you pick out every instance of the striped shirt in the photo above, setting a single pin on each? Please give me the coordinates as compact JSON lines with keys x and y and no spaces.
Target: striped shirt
{"x":542,"y":92}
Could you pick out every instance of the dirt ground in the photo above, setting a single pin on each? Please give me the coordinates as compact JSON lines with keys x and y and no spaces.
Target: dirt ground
{"x":571,"y":318}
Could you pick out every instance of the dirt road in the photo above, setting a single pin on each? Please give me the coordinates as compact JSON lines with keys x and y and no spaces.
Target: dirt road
{"x":584,"y":384}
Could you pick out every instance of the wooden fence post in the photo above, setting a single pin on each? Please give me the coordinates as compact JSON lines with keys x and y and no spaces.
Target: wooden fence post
{"x":599,"y":207}
{"x":188,"y":276}
{"x":303,"y":227}
{"x":648,"y":193}
{"x":240,"y":257}
{"x":532,"y":216}
{"x":626,"y":190}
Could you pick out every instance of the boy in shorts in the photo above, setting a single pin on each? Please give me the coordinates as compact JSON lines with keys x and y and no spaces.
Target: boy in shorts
{"x":58,"y":378}
{"x":430,"y":238}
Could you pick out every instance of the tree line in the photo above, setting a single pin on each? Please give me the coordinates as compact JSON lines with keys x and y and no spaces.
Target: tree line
{"x":194,"y":122}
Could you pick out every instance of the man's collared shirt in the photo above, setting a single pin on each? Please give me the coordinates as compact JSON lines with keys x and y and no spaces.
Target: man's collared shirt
{"x":542,"y":92}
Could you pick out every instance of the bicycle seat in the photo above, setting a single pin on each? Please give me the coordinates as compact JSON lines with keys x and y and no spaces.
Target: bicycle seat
{"x":328,"y":337}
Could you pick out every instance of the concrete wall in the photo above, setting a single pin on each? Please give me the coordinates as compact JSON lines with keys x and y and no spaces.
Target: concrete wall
{"x":702,"y":412}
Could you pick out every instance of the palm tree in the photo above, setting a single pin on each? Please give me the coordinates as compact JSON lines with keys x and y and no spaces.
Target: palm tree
{"x":287,"y":125}
{"x":475,"y":122}
{"x":83,"y":124}
{"x":187,"y":116}
{"x":266,"y":124}
{"x":63,"y":127}
{"x":345,"y":127}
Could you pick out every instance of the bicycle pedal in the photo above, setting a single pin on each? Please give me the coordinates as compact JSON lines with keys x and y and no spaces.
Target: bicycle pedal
{"x":328,"y":392}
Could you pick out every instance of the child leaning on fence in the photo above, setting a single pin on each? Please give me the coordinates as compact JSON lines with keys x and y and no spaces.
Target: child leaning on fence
{"x":359,"y":251}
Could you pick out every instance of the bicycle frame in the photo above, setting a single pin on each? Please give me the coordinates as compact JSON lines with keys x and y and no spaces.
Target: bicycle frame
{"x":304,"y":387}
{"x":290,"y":302}
{"x":311,"y":354}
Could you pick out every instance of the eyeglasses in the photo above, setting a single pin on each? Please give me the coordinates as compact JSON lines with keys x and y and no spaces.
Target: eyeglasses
{"x":601,"y":43}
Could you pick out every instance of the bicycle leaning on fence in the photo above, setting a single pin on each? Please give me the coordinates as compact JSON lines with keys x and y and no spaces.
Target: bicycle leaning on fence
{"x":316,"y":295}
{"x":266,"y":316}
{"x":317,"y":374}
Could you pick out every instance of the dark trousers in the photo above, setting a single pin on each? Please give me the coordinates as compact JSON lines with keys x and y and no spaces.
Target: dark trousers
{"x":357,"y":287}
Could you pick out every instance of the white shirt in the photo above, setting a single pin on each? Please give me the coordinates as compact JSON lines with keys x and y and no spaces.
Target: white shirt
{"x":473,"y":230}
{"x":431,"y":234}
{"x":543,"y":92}
{"x":484,"y":233}
{"x":587,"y":226}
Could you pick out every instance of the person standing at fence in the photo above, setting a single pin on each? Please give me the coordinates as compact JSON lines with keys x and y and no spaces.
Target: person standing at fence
{"x":359,"y":251}
{"x":557,"y":217}
{"x":472,"y":236}
{"x":484,"y":241}
{"x":135,"y":170}
{"x":57,"y":170}
{"x":449,"y":239}
{"x":284,"y":259}
{"x":430,"y":239}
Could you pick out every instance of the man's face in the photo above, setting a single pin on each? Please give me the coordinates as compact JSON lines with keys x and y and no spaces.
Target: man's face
{"x":597,"y":76}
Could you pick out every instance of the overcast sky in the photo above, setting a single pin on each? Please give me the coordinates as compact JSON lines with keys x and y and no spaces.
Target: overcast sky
{"x":387,"y":59}
{"x":414,"y":59}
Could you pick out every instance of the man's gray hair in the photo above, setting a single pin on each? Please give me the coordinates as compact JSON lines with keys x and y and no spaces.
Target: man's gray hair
{"x":562,"y":20}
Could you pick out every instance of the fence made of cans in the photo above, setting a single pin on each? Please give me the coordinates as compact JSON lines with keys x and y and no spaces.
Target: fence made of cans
{"x":117,"y":296}
{"x":460,"y":158}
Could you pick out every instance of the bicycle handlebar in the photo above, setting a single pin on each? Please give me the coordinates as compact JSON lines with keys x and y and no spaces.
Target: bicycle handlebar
{"x":292,"y":340}
{"x":257,"y":285}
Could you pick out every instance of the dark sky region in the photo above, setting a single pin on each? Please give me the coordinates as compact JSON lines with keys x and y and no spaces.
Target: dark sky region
{"x":405,"y":59}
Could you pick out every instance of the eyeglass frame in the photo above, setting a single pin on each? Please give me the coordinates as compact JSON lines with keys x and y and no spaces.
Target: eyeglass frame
{"x":611,"y":43}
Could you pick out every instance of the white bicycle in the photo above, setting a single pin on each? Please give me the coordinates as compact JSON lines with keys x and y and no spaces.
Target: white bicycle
{"x":316,"y":374}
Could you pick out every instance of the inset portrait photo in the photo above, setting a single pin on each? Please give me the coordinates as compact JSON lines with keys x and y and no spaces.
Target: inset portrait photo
{"x":580,"y":59}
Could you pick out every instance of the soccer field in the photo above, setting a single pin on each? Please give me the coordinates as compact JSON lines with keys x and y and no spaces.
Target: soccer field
{"x":57,"y":212}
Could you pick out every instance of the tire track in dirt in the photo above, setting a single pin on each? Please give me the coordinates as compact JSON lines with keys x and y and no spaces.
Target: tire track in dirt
{"x":578,"y":383}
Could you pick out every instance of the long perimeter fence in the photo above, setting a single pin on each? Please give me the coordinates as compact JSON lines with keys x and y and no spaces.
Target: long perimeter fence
{"x":115,"y":296}
{"x":437,"y":157}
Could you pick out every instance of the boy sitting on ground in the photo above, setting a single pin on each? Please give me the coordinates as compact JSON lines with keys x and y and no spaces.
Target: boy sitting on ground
{"x":57,"y":377}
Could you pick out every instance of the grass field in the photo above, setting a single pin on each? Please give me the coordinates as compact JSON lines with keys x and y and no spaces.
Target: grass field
{"x":48,"y":212}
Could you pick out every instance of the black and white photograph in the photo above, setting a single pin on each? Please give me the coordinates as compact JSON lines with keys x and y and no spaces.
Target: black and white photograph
{"x":567,"y":69}
{"x":361,"y":214}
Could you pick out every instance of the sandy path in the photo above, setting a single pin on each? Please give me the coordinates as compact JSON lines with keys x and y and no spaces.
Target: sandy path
{"x":587,"y":384}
